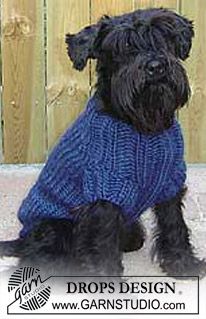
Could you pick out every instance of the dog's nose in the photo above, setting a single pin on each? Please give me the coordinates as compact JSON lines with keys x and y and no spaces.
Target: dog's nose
{"x":155,"y":67}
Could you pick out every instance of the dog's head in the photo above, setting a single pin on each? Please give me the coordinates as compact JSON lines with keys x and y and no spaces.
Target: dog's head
{"x":140,"y":76}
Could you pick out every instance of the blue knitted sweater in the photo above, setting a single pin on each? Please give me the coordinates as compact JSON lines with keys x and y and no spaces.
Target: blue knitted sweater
{"x":100,"y":157}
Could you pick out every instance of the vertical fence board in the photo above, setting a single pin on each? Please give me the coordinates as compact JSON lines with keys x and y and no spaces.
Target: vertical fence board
{"x":194,"y":118}
{"x":109,"y":7}
{"x":142,"y":4}
{"x":23,"y":81}
{"x":68,"y":89}
{"x":170,"y":4}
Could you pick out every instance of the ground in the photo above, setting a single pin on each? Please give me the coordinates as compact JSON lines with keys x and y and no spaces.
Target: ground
{"x":15,"y":182}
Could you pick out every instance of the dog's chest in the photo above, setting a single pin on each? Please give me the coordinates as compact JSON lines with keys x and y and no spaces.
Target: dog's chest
{"x":117,"y":148}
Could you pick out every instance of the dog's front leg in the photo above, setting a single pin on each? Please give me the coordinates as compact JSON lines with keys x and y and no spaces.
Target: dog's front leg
{"x":172,"y":247}
{"x":96,"y":240}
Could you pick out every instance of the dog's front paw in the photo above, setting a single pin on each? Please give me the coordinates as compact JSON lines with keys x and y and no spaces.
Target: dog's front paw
{"x":185,"y":267}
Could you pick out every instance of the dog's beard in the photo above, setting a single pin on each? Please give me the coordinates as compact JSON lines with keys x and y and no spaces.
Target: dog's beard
{"x":154,"y":109}
{"x":147,"y":104}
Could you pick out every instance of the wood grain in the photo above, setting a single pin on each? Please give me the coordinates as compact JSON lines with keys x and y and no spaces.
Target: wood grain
{"x":67,"y":89}
{"x":143,"y":4}
{"x":23,"y":81}
{"x":109,"y":7}
{"x":170,"y":4}
{"x":194,"y":117}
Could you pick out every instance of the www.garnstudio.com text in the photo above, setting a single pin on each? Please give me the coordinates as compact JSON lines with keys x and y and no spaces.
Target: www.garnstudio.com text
{"x":118,"y":304}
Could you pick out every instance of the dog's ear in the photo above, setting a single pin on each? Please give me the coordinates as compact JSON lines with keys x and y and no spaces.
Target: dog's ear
{"x":80,"y":46}
{"x":183,"y":36}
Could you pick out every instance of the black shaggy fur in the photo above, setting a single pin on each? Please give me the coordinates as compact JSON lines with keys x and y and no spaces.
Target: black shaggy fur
{"x":172,"y":247}
{"x":141,"y":81}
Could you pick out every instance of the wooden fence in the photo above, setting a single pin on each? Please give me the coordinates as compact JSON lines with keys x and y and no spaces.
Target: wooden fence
{"x":41,"y":93}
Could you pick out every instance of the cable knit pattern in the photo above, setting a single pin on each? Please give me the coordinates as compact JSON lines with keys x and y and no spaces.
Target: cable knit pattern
{"x":99,"y":157}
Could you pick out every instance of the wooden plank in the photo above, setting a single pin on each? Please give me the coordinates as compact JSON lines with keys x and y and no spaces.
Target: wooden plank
{"x":67,"y":89}
{"x":194,"y":118}
{"x":143,"y":4}
{"x":170,"y":4}
{"x":109,"y":7}
{"x":23,"y":81}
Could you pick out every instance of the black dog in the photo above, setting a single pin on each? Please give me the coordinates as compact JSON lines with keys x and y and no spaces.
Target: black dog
{"x":140,"y":85}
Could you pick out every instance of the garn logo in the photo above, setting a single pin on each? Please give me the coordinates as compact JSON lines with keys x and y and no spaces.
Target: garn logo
{"x":28,"y":288}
